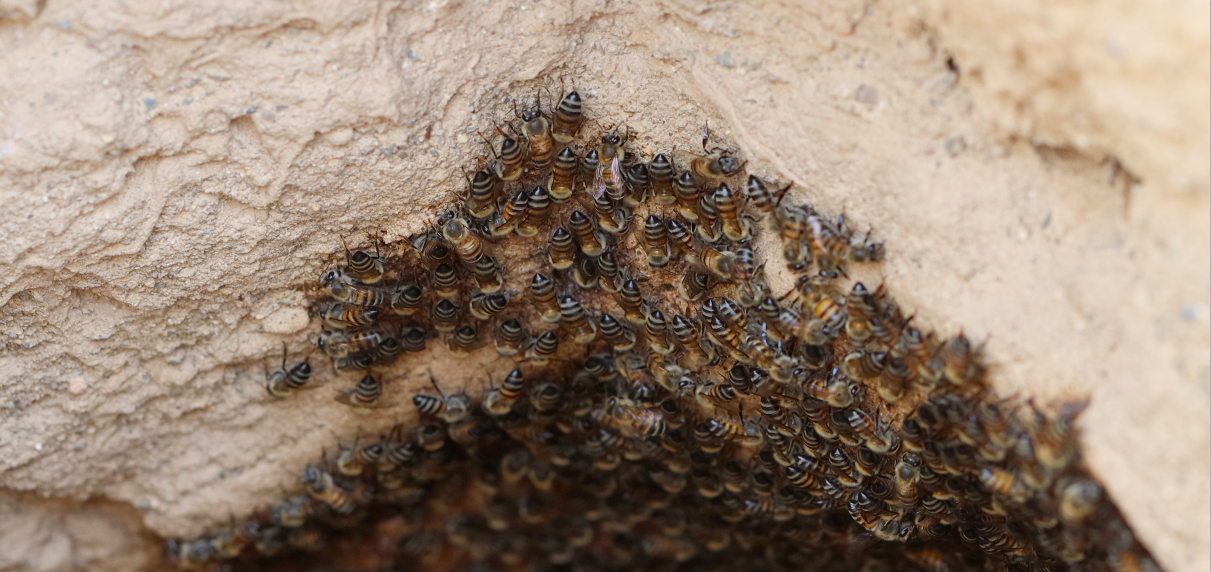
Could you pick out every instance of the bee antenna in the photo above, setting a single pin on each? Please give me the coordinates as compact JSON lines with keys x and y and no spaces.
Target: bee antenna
{"x":434,"y":382}
{"x":347,"y":257}
{"x":706,"y":134}
{"x":283,"y":355}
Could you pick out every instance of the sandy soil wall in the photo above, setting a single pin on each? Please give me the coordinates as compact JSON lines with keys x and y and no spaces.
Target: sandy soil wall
{"x":175,"y":174}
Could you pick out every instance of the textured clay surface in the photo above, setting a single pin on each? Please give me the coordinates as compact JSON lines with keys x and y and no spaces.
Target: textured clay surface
{"x":175,"y":175}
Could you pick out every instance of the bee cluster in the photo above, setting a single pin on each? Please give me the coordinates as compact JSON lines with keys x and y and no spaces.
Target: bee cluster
{"x":717,"y":427}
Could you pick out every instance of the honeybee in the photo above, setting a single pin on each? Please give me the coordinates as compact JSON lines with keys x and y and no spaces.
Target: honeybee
{"x":588,"y":169}
{"x":621,"y":337}
{"x":608,"y":181}
{"x":445,"y":281}
{"x":960,"y":360}
{"x":721,"y":264}
{"x":735,"y":226}
{"x":413,"y":339}
{"x":484,"y":306}
{"x":362,"y":267}
{"x":339,"y":344}
{"x":341,"y":287}
{"x":585,"y":273}
{"x":538,"y":208}
{"x":561,"y":251}
{"x":543,"y":348}
{"x":708,"y":218}
{"x":656,"y":329}
{"x":638,"y":179}
{"x":688,"y":195}
{"x":500,"y":401}
{"x":612,"y":217}
{"x":282,"y":382}
{"x":573,"y":318}
{"x":727,"y":338}
{"x":488,"y":275}
{"x":864,"y":364}
{"x":563,"y":175}
{"x":353,"y":460}
{"x":638,"y":421}
{"x":339,"y":316}
{"x":364,"y":396}
{"x":481,"y":198}
{"x":537,"y":130}
{"x":466,"y":243}
{"x":662,"y":174}
{"x":764,"y":200}
{"x":406,"y":298}
{"x":451,"y":409}
{"x":694,"y":285}
{"x":717,"y":164}
{"x":444,"y":316}
{"x":836,"y":390}
{"x":509,"y":216}
{"x":866,"y":250}
{"x":510,"y":337}
{"x":687,"y":335}
{"x":569,"y":116}
{"x":592,"y":243}
{"x":511,"y":160}
{"x":542,"y":293}
{"x":656,"y":242}
{"x":464,"y":341}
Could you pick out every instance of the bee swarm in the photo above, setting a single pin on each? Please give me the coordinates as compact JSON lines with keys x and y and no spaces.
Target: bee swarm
{"x":667,"y":410}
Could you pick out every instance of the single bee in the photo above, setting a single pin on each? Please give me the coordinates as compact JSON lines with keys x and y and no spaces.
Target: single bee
{"x":364,"y":396}
{"x":729,"y":339}
{"x":451,"y":409}
{"x":585,"y":272}
{"x":561,"y":251}
{"x":611,"y":216}
{"x":488,"y":275}
{"x":362,"y":267}
{"x":500,"y":401}
{"x":694,"y":285}
{"x":444,"y":315}
{"x":687,"y":335}
{"x":831,"y":314}
{"x":704,"y":393}
{"x":463,"y":342}
{"x":607,"y":270}
{"x":542,"y":292}
{"x":735,"y":226}
{"x":792,"y":227}
{"x":588,"y":169}
{"x":621,"y":337}
{"x":353,"y":460}
{"x":511,"y":337}
{"x":546,"y":397}
{"x":721,"y":264}
{"x":569,"y":116}
{"x":864,"y":364}
{"x":467,"y":244}
{"x":413,"y":339}
{"x":406,"y":298}
{"x":688,"y":195}
{"x":340,"y":344}
{"x":908,"y":473}
{"x":484,"y":306}
{"x":573,"y":319}
{"x":764,"y":200}
{"x":657,"y":333}
{"x":592,"y":242}
{"x":717,"y":164}
{"x":835,"y":390}
{"x":340,"y":286}
{"x":656,"y":242}
{"x":537,"y":130}
{"x":538,"y":208}
{"x":433,"y":248}
{"x":445,"y":281}
{"x":481,"y":199}
{"x":284,"y":381}
{"x":563,"y":175}
{"x":865,"y":249}
{"x":662,"y":174}
{"x":512,"y":214}
{"x":960,"y":360}
{"x":708,"y":218}
{"x":543,"y":348}
{"x":511,"y":160}
{"x":638,"y":181}
{"x":341,"y":316}
{"x":638,"y":421}
{"x":631,"y":302}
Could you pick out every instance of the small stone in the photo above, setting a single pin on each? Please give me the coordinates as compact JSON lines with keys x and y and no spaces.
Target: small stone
{"x":77,"y":385}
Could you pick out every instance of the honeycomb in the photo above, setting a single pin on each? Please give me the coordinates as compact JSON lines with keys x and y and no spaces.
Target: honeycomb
{"x":668,"y":409}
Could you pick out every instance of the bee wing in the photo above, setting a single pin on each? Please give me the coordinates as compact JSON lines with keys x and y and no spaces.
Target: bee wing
{"x":599,"y":186}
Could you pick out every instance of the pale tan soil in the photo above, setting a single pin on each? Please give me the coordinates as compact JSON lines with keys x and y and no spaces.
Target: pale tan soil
{"x":174,"y":175}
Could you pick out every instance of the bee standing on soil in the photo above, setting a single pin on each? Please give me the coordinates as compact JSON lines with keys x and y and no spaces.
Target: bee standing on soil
{"x":569,"y":116}
{"x":365,"y":396}
{"x":537,"y":130}
{"x":511,"y":337}
{"x":512,"y":158}
{"x":283,"y":382}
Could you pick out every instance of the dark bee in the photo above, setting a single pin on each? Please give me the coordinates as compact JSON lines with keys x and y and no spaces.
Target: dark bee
{"x":960,"y":361}
{"x":735,"y":226}
{"x":573,"y":318}
{"x":607,"y":270}
{"x":866,"y":250}
{"x":510,"y":337}
{"x":762,"y":199}
{"x":413,"y":339}
{"x":569,"y":116}
{"x":708,"y":218}
{"x":656,"y":242}
{"x":687,"y":335}
{"x":542,"y":293}
{"x":500,"y":401}
{"x":543,"y":348}
{"x":638,"y":181}
{"x":451,"y":409}
{"x":588,"y":169}
{"x":688,"y":195}
{"x":631,"y":302}
{"x":363,"y":267}
{"x":284,"y":381}
{"x":364,"y":396}
{"x":488,"y":275}
{"x":561,"y":251}
{"x":585,"y":272}
{"x":538,"y":208}
{"x":463,"y":342}
{"x":445,"y":281}
{"x":511,"y":160}
{"x":621,"y":338}
{"x":657,"y":333}
{"x":694,"y":285}
{"x":406,"y":298}
{"x":563,"y":175}
{"x":512,"y":214}
{"x":662,"y":174}
{"x":612,"y":217}
{"x":481,"y":199}
{"x":484,"y":306}
{"x":340,"y":316}
{"x":445,"y":315}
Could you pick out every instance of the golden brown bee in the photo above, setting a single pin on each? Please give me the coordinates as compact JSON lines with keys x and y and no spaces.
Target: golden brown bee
{"x":569,"y":116}
{"x":717,"y":164}
{"x":341,"y":287}
{"x":406,"y":298}
{"x":466,"y":243}
{"x":588,"y":169}
{"x":960,"y":360}
{"x":510,"y":338}
{"x":282,"y":382}
{"x":500,"y":401}
{"x":485,"y":306}
{"x":611,"y":216}
{"x":537,"y":131}
{"x":721,"y":264}
{"x":512,"y":214}
{"x":866,"y":250}
{"x":364,"y":396}
{"x":638,"y":180}
{"x":708,"y":218}
{"x":835,"y":390}
{"x":563,"y":175}
{"x":538,"y":208}
{"x":340,"y":344}
{"x":585,"y":273}
{"x":729,"y":339}
{"x":481,"y":199}
{"x":662,"y":173}
{"x":864,"y":364}
{"x":735,"y":226}
{"x":638,"y":421}
{"x":352,"y":461}
{"x":592,"y":243}
{"x":451,"y":409}
{"x":621,"y":337}
{"x":561,"y":251}
{"x":543,"y":348}
{"x":488,"y":275}
{"x":464,"y":340}
{"x":687,"y":335}
{"x":694,"y":285}
{"x":607,"y":270}
{"x":413,"y":339}
{"x":657,"y":333}
{"x":608,"y":182}
{"x":511,"y":160}
{"x":764,"y":200}
{"x":542,"y":293}
{"x":445,"y":281}
{"x":631,"y":302}
{"x":444,"y":315}
{"x":573,"y":318}
{"x":831,"y":314}
{"x":656,"y":242}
